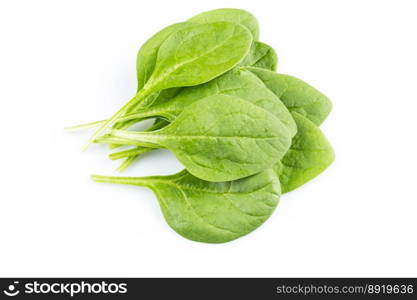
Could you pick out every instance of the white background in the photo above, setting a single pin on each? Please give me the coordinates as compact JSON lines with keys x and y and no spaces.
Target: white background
{"x":69,"y":62}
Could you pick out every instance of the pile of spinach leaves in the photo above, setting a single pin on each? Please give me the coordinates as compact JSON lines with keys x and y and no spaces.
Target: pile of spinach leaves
{"x":244,"y":133}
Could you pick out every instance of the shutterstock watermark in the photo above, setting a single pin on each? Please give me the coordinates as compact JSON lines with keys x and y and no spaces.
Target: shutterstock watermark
{"x":71,"y":289}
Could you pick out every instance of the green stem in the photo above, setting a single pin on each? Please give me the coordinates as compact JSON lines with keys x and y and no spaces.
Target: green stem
{"x":84,"y":126}
{"x":130,"y":152}
{"x":114,"y":146}
{"x":129,"y":120}
{"x":139,"y":181}
{"x":127,"y":162}
{"x":109,"y":122}
{"x":147,"y":114}
{"x":121,"y":125}
{"x":114,"y":140}
{"x":108,"y":139}
{"x":160,"y":123}
{"x":146,"y":139}
{"x":123,"y":122}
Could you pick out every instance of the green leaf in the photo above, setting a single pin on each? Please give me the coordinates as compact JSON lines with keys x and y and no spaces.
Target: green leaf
{"x":147,"y":55}
{"x":231,"y":15}
{"x":190,"y":56}
{"x":218,"y":138}
{"x":199,"y":53}
{"x":211,"y":212}
{"x":297,"y":95}
{"x":309,"y":155}
{"x":261,"y":56}
{"x":238,"y":82}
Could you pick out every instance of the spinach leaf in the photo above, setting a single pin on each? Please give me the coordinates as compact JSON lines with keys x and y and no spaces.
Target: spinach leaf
{"x":233,"y":15}
{"x":210,"y":212}
{"x":147,"y":55}
{"x":198,"y":53}
{"x":237,"y":82}
{"x":261,"y":56}
{"x":309,"y":155}
{"x":218,"y":138}
{"x":191,"y":56}
{"x":297,"y":95}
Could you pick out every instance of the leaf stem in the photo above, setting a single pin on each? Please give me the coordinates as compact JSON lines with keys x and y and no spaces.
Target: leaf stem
{"x":84,"y":126}
{"x":108,"y":139}
{"x":142,"y":115}
{"x":109,"y":122}
{"x":146,"y":139}
{"x":127,"y":162}
{"x":130,"y":152}
{"x":138,"y":181}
